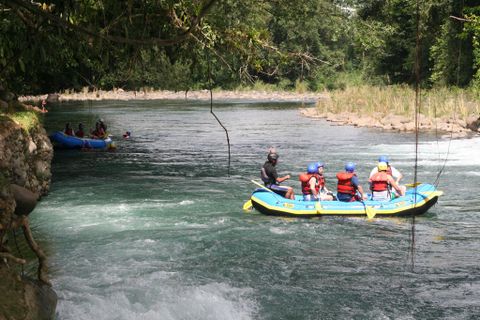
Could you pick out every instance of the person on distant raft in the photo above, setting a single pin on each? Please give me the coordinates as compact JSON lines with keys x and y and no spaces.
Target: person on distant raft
{"x":397,"y":175}
{"x":348,"y":187}
{"x":126,"y":135}
{"x":381,"y":184}
{"x":68,"y":130}
{"x":102,"y":124}
{"x":98,"y":133}
{"x":80,"y":133}
{"x":271,"y":179}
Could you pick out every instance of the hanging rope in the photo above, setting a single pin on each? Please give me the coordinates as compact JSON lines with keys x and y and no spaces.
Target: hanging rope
{"x":214,"y":115}
{"x":417,"y":113}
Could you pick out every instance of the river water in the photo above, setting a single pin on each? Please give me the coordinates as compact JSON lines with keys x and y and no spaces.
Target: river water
{"x":156,"y":229}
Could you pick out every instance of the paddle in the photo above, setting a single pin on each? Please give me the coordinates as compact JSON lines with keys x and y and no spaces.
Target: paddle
{"x":369,"y":211}
{"x":248,"y":206}
{"x":263,"y":187}
{"x":413,"y":184}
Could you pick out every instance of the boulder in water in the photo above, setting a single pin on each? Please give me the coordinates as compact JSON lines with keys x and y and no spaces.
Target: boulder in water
{"x":473,"y":123}
{"x":25,"y":199}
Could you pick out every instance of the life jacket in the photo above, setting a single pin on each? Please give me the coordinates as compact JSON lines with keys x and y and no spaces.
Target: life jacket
{"x":389,"y":171}
{"x":69,"y":132}
{"x":305,"y":179}
{"x":345,"y":183}
{"x":379,"y":181}
{"x":80,"y":133}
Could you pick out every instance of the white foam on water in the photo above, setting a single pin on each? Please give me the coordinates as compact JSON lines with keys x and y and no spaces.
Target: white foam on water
{"x":464,"y":152}
{"x":277,"y":230}
{"x":471,"y":173}
{"x":190,"y":225}
{"x":112,"y":216}
{"x":161,"y":301}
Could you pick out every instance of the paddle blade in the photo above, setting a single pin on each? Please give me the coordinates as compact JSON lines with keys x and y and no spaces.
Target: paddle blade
{"x":370,"y":212}
{"x":413,"y":184}
{"x":248,"y":206}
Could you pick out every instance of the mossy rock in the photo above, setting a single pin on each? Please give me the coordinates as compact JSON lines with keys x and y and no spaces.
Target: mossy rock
{"x":25,"y":299}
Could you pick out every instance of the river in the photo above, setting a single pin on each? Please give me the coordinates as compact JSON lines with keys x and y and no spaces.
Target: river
{"x":156,"y":229}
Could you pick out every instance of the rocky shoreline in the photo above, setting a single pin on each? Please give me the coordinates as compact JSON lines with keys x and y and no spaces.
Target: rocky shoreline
{"x":447,"y":127}
{"x":203,"y":95}
{"x":25,"y":159}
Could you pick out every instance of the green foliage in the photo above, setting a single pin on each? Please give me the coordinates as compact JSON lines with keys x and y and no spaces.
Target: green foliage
{"x":451,"y":52}
{"x":26,"y":119}
{"x":177,"y":45}
{"x":472,"y":27}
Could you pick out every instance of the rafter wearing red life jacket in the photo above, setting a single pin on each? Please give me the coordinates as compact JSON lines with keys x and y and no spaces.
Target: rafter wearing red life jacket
{"x":305,"y":180}
{"x":389,"y":171}
{"x":69,"y":132}
{"x":379,"y":181}
{"x":345,"y":183}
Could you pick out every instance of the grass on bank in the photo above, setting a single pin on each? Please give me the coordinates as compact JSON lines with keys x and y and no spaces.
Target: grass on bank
{"x":27,"y":119}
{"x":451,"y":103}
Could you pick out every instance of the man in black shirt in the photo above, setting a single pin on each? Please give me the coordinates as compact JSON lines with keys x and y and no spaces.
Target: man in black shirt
{"x":272,"y":180}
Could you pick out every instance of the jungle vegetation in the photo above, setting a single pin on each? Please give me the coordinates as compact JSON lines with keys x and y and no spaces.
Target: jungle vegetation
{"x":177,"y":45}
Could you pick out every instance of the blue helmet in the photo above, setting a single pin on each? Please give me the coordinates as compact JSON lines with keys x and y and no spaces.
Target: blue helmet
{"x":350,"y":167}
{"x":312,"y":168}
{"x":320,"y":164}
{"x":383,"y":159}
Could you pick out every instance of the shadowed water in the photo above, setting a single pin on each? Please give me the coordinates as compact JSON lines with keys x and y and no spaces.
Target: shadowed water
{"x":155,"y":230}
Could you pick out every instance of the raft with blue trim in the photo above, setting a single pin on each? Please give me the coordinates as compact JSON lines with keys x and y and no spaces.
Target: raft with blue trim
{"x":63,"y":141}
{"x":415,"y":202}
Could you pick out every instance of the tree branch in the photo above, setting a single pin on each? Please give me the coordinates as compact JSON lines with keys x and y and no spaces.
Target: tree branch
{"x":9,"y":256}
{"x":461,"y":19}
{"x":152,"y":41}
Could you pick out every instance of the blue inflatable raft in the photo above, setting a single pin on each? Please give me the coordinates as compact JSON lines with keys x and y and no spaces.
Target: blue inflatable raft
{"x":63,"y":141}
{"x":415,"y":202}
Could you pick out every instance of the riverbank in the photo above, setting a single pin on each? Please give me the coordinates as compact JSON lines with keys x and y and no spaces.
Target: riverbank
{"x":204,"y":95}
{"x":449,"y":111}
{"x":25,"y":177}
{"x":389,"y":108}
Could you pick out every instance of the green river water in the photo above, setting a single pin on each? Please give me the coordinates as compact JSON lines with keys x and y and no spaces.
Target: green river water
{"x":156,"y":229}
